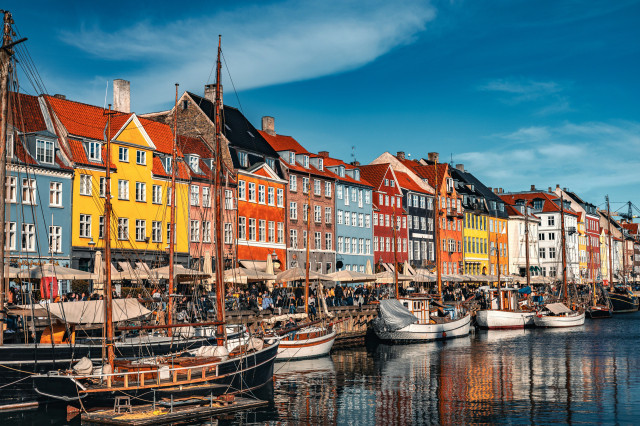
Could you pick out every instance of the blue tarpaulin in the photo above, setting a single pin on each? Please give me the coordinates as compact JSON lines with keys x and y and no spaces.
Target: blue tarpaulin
{"x":525,"y":290}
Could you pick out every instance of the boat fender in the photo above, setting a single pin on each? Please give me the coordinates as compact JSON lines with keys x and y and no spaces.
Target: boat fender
{"x":444,"y":334}
{"x":84,"y":366}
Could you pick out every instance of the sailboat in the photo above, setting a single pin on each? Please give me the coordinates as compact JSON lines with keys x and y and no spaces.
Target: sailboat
{"x":309,"y":340}
{"x":232,"y":366}
{"x":601,"y":306}
{"x":558,"y":314}
{"x":507,"y":313}
{"x":420,"y":318}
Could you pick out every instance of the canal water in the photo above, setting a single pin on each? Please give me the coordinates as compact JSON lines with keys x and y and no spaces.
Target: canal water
{"x":588,"y":374}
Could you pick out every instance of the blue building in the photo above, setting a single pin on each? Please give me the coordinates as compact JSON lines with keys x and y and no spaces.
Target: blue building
{"x":354,"y":211}
{"x":38,"y":188}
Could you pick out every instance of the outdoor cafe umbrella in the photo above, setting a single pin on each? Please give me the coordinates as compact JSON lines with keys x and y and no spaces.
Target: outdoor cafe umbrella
{"x":345,"y":276}
{"x":299,"y":274}
{"x":51,"y":270}
{"x":244,"y":276}
{"x":387,"y":277}
{"x":178,"y":271}
{"x":11,"y":272}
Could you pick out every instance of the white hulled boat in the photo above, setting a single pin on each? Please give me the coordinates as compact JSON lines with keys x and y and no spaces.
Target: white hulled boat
{"x":510,"y":317}
{"x":307,"y":342}
{"x":558,"y":315}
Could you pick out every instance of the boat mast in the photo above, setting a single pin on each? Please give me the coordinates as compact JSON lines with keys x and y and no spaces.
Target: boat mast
{"x":526,"y":241}
{"x":395,"y":250}
{"x":437,"y":244}
{"x":593,"y":279}
{"x":610,"y":252}
{"x":172,"y":220}
{"x":220,"y":293}
{"x":498,"y":271}
{"x":308,"y":243}
{"x":5,"y":64}
{"x":108,"y":304}
{"x":564,"y":251}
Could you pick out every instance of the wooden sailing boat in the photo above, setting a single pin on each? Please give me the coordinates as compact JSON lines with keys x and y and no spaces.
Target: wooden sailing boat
{"x":558,"y":314}
{"x":601,"y":304}
{"x":420,"y":318}
{"x":230,"y":367}
{"x":314,"y":339}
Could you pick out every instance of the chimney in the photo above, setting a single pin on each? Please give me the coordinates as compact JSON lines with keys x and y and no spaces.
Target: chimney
{"x":533,"y":187}
{"x":59,"y":96}
{"x":460,"y":167}
{"x":355,"y":163}
{"x":122,"y":95}
{"x":323,"y":154}
{"x":490,"y":189}
{"x":210,"y":93}
{"x":550,"y":189}
{"x":400,"y":155}
{"x":433,"y":156}
{"x":269,"y":125}
{"x":557,"y":186}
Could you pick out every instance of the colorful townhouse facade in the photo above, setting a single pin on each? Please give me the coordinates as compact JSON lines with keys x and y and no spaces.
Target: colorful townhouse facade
{"x":349,"y":182}
{"x":516,"y":231}
{"x":390,"y":236}
{"x":38,"y":188}
{"x":140,"y":165}
{"x":310,"y":199}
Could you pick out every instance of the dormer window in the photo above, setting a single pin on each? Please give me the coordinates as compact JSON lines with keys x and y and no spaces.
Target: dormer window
{"x":386,"y":182}
{"x":194,"y":163}
{"x":305,"y":161}
{"x":167,"y":164}
{"x":356,"y":174}
{"x":243,"y":159}
{"x":537,"y":204}
{"x":320,"y":164}
{"x":270,"y":162}
{"x":392,"y":183}
{"x":95,"y":151}
{"x":44,"y":151}
{"x":341,"y":171}
{"x":292,"y":157}
{"x":10,"y":145}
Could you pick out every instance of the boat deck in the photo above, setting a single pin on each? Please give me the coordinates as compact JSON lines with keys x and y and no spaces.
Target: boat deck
{"x":163,"y":413}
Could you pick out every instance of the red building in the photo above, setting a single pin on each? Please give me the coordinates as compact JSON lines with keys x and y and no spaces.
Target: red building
{"x":387,"y":206}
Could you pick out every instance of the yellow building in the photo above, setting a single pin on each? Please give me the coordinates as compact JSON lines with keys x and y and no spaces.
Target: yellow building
{"x":499,"y":245}
{"x":582,"y":249}
{"x":140,"y":186}
{"x":476,"y":245}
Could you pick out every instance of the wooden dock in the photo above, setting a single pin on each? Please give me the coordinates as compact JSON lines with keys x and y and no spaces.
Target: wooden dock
{"x":163,"y":413}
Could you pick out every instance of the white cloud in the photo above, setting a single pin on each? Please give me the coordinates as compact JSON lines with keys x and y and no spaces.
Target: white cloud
{"x":546,"y":95}
{"x":593,"y":158}
{"x":263,"y":45}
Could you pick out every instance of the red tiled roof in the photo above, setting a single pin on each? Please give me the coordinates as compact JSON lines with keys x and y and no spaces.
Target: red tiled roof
{"x":189,"y":145}
{"x":632,"y":227}
{"x":428,"y":171}
{"x":26,"y":114}
{"x":283,"y":143}
{"x":22,"y":154}
{"x":161,"y":135}
{"x":548,"y":206}
{"x":333,"y":162}
{"x":158,"y":170}
{"x":374,"y":173}
{"x":407,"y":183}
{"x":79,"y":155}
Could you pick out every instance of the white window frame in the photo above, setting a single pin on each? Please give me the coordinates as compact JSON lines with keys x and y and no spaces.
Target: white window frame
{"x":141,"y":192}
{"x":156,"y":194}
{"x":84,"y":230}
{"x":86,"y":185}
{"x":29,"y":188}
{"x":55,"y":194}
{"x":45,"y":151}
{"x":156,"y":231}
{"x":123,"y":154}
{"x":123,"y":189}
{"x":11,"y":186}
{"x":141,"y":230}
{"x":141,"y":157}
{"x":123,"y":228}
{"x":28,"y":237}
{"x":94,"y":151}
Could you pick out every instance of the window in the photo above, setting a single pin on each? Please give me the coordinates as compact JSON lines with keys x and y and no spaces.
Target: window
{"x":156,"y":194}
{"x":194,"y":231}
{"x":9,"y":145}
{"x":123,"y":228}
{"x":262,"y":230}
{"x":367,"y":245}
{"x":141,"y":158}
{"x":293,"y":183}
{"x":85,"y":184}
{"x":94,"y":151}
{"x":347,"y":218}
{"x":252,"y":192}
{"x":252,"y":229}
{"x":271,"y":196}
{"x":327,"y":215}
{"x":553,"y":271}
{"x":339,"y":218}
{"x":206,"y":231}
{"x":361,"y":220}
{"x":317,"y":187}
{"x":280,"y":197}
{"x":228,"y":199}
{"x":228,"y":233}
{"x":375,"y":219}
{"x":280,"y":232}
{"x":55,"y":194}
{"x":327,"y":189}
{"x":541,"y":236}
{"x":339,"y":191}
{"x":347,"y":245}
{"x":242,"y":228}
{"x":354,"y":195}
{"x":404,"y":222}
{"x":169,"y":232}
{"x":243,"y":159}
{"x":272,"y":232}
{"x":10,"y":236}
{"x":123,"y":189}
{"x":386,"y":220}
{"x":194,"y":162}
{"x":375,"y":243}
{"x":367,"y":197}
{"x":206,"y":196}
{"x":44,"y":151}
{"x":194,"y":199}
{"x":552,"y":236}
{"x":123,"y":154}
{"x":141,"y":192}
{"x":293,"y":238}
{"x":360,"y":198}
{"x":156,"y":231}
{"x":423,"y":223}
{"x":317,"y":241}
{"x":242,"y":190}
{"x":28,"y":237}
{"x":292,"y":157}
{"x":141,"y":229}
{"x":552,"y":252}
{"x":317,"y":214}
{"x":387,"y":244}
{"x":361,"y":245}
{"x":550,"y":221}
{"x":328,"y":241}
{"x":101,"y":227}
{"x":305,"y":161}
{"x":367,"y":221}
{"x":542,"y":253}
{"x":422,"y":202}
{"x":169,"y":196}
{"x":305,"y":185}
{"x":261,"y":194}
{"x":340,"y":247}
{"x":409,"y":201}
{"x":11,"y":189}
{"x":55,"y":239}
{"x":293,"y":210}
{"x":167,"y":164}
{"x":28,"y":191}
{"x":85,"y":226}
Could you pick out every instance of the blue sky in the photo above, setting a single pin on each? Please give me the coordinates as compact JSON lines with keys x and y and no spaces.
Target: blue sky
{"x":521,"y":92}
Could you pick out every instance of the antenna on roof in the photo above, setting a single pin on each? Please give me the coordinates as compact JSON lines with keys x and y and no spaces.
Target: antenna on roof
{"x":353,"y":152}
{"x":451,"y":163}
{"x":106,"y":92}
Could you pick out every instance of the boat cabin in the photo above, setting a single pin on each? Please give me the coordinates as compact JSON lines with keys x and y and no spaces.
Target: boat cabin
{"x":508,"y":298}
{"x":419,"y":306}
